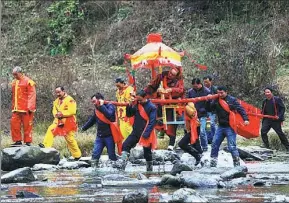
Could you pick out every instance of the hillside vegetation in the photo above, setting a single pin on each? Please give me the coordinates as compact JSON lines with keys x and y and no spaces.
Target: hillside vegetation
{"x":80,"y":44}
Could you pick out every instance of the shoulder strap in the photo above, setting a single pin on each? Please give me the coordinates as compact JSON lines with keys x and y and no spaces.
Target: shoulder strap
{"x":142,"y":112}
{"x":102,"y":117}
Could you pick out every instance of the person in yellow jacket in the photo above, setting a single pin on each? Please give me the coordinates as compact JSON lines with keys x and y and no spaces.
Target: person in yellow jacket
{"x":123,"y":94}
{"x":64,"y":123}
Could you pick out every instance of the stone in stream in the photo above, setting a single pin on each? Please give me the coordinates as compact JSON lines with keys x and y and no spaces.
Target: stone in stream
{"x":236,"y":172}
{"x":139,"y":196}
{"x":186,"y":195}
{"x":280,"y":198}
{"x":259,"y":183}
{"x":170,"y":180}
{"x":165,"y":155}
{"x":21,"y":175}
{"x":179,"y":167}
{"x":40,"y":167}
{"x":18,"y":157}
{"x":194,"y":179}
{"x":73,"y":165}
{"x":26,"y":194}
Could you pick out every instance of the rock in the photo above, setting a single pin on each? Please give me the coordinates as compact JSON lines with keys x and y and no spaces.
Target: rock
{"x":18,"y":157}
{"x":179,"y":167}
{"x":238,"y":181}
{"x":164,"y":198}
{"x":136,"y":153}
{"x":116,"y":177}
{"x":26,"y":194}
{"x":170,"y":180}
{"x":165,"y":155}
{"x":40,"y":167}
{"x":188,"y":159}
{"x":236,"y":172}
{"x":186,"y":195}
{"x":221,"y":184}
{"x":246,"y":154}
{"x":139,"y":196}
{"x":141,"y":162}
{"x":21,"y":175}
{"x":225,"y":159}
{"x":141,"y":176}
{"x":74,"y":165}
{"x":259,"y":183}
{"x":193,"y":179}
{"x":280,"y":198}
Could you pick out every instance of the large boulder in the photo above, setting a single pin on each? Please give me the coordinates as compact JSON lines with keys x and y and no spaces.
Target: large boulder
{"x":194,"y":179}
{"x":18,"y":157}
{"x":21,"y":175}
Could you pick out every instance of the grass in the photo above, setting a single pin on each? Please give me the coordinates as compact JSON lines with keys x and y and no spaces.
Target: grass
{"x":86,"y":140}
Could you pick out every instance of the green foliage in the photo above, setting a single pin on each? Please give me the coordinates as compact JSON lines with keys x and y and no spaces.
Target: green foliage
{"x":63,"y":17}
{"x":123,"y":13}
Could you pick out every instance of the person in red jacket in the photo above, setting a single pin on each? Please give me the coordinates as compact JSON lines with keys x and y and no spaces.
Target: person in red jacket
{"x":168,"y":83}
{"x":23,"y":107}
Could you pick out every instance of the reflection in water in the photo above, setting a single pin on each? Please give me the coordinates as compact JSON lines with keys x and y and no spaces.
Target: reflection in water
{"x":154,"y":195}
{"x":79,"y":186}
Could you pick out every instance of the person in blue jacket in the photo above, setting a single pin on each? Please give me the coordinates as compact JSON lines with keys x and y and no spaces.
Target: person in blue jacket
{"x":104,"y":136}
{"x":199,"y":90}
{"x":224,"y":129}
{"x":141,"y":127}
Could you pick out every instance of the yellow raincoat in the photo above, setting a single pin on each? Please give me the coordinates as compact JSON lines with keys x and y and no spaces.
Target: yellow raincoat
{"x":67,"y":107}
{"x":125,"y":123}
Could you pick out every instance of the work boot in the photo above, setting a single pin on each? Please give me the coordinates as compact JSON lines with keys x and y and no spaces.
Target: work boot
{"x":213,"y":162}
{"x":198,"y":160}
{"x":77,"y":158}
{"x":16,"y":144}
{"x":149,"y":166}
{"x":121,"y":163}
{"x":236,"y":161}
{"x":28,"y":143}
{"x":170,"y":148}
{"x":95,"y":163}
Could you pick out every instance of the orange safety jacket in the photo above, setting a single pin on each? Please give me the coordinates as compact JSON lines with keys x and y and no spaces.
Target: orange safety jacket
{"x":23,"y":95}
{"x":115,"y":131}
{"x":236,"y":121}
{"x":192,"y":126}
{"x":152,"y":140}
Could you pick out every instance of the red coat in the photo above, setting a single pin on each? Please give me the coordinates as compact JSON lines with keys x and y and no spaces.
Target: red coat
{"x":23,"y":95}
{"x":177,"y":85}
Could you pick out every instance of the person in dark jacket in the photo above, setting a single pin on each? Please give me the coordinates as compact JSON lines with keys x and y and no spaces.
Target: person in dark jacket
{"x":273,"y":106}
{"x":141,"y":128}
{"x":208,"y":82}
{"x":224,"y":129}
{"x":199,"y":90}
{"x":104,"y":136}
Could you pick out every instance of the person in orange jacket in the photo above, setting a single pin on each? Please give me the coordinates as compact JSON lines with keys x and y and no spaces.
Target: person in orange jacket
{"x":64,"y":123}
{"x":23,"y":107}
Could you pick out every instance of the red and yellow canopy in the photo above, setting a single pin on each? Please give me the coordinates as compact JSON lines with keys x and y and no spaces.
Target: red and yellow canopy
{"x":154,"y":54}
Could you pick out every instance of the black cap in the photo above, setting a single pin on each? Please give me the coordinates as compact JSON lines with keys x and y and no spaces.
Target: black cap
{"x":119,"y":80}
